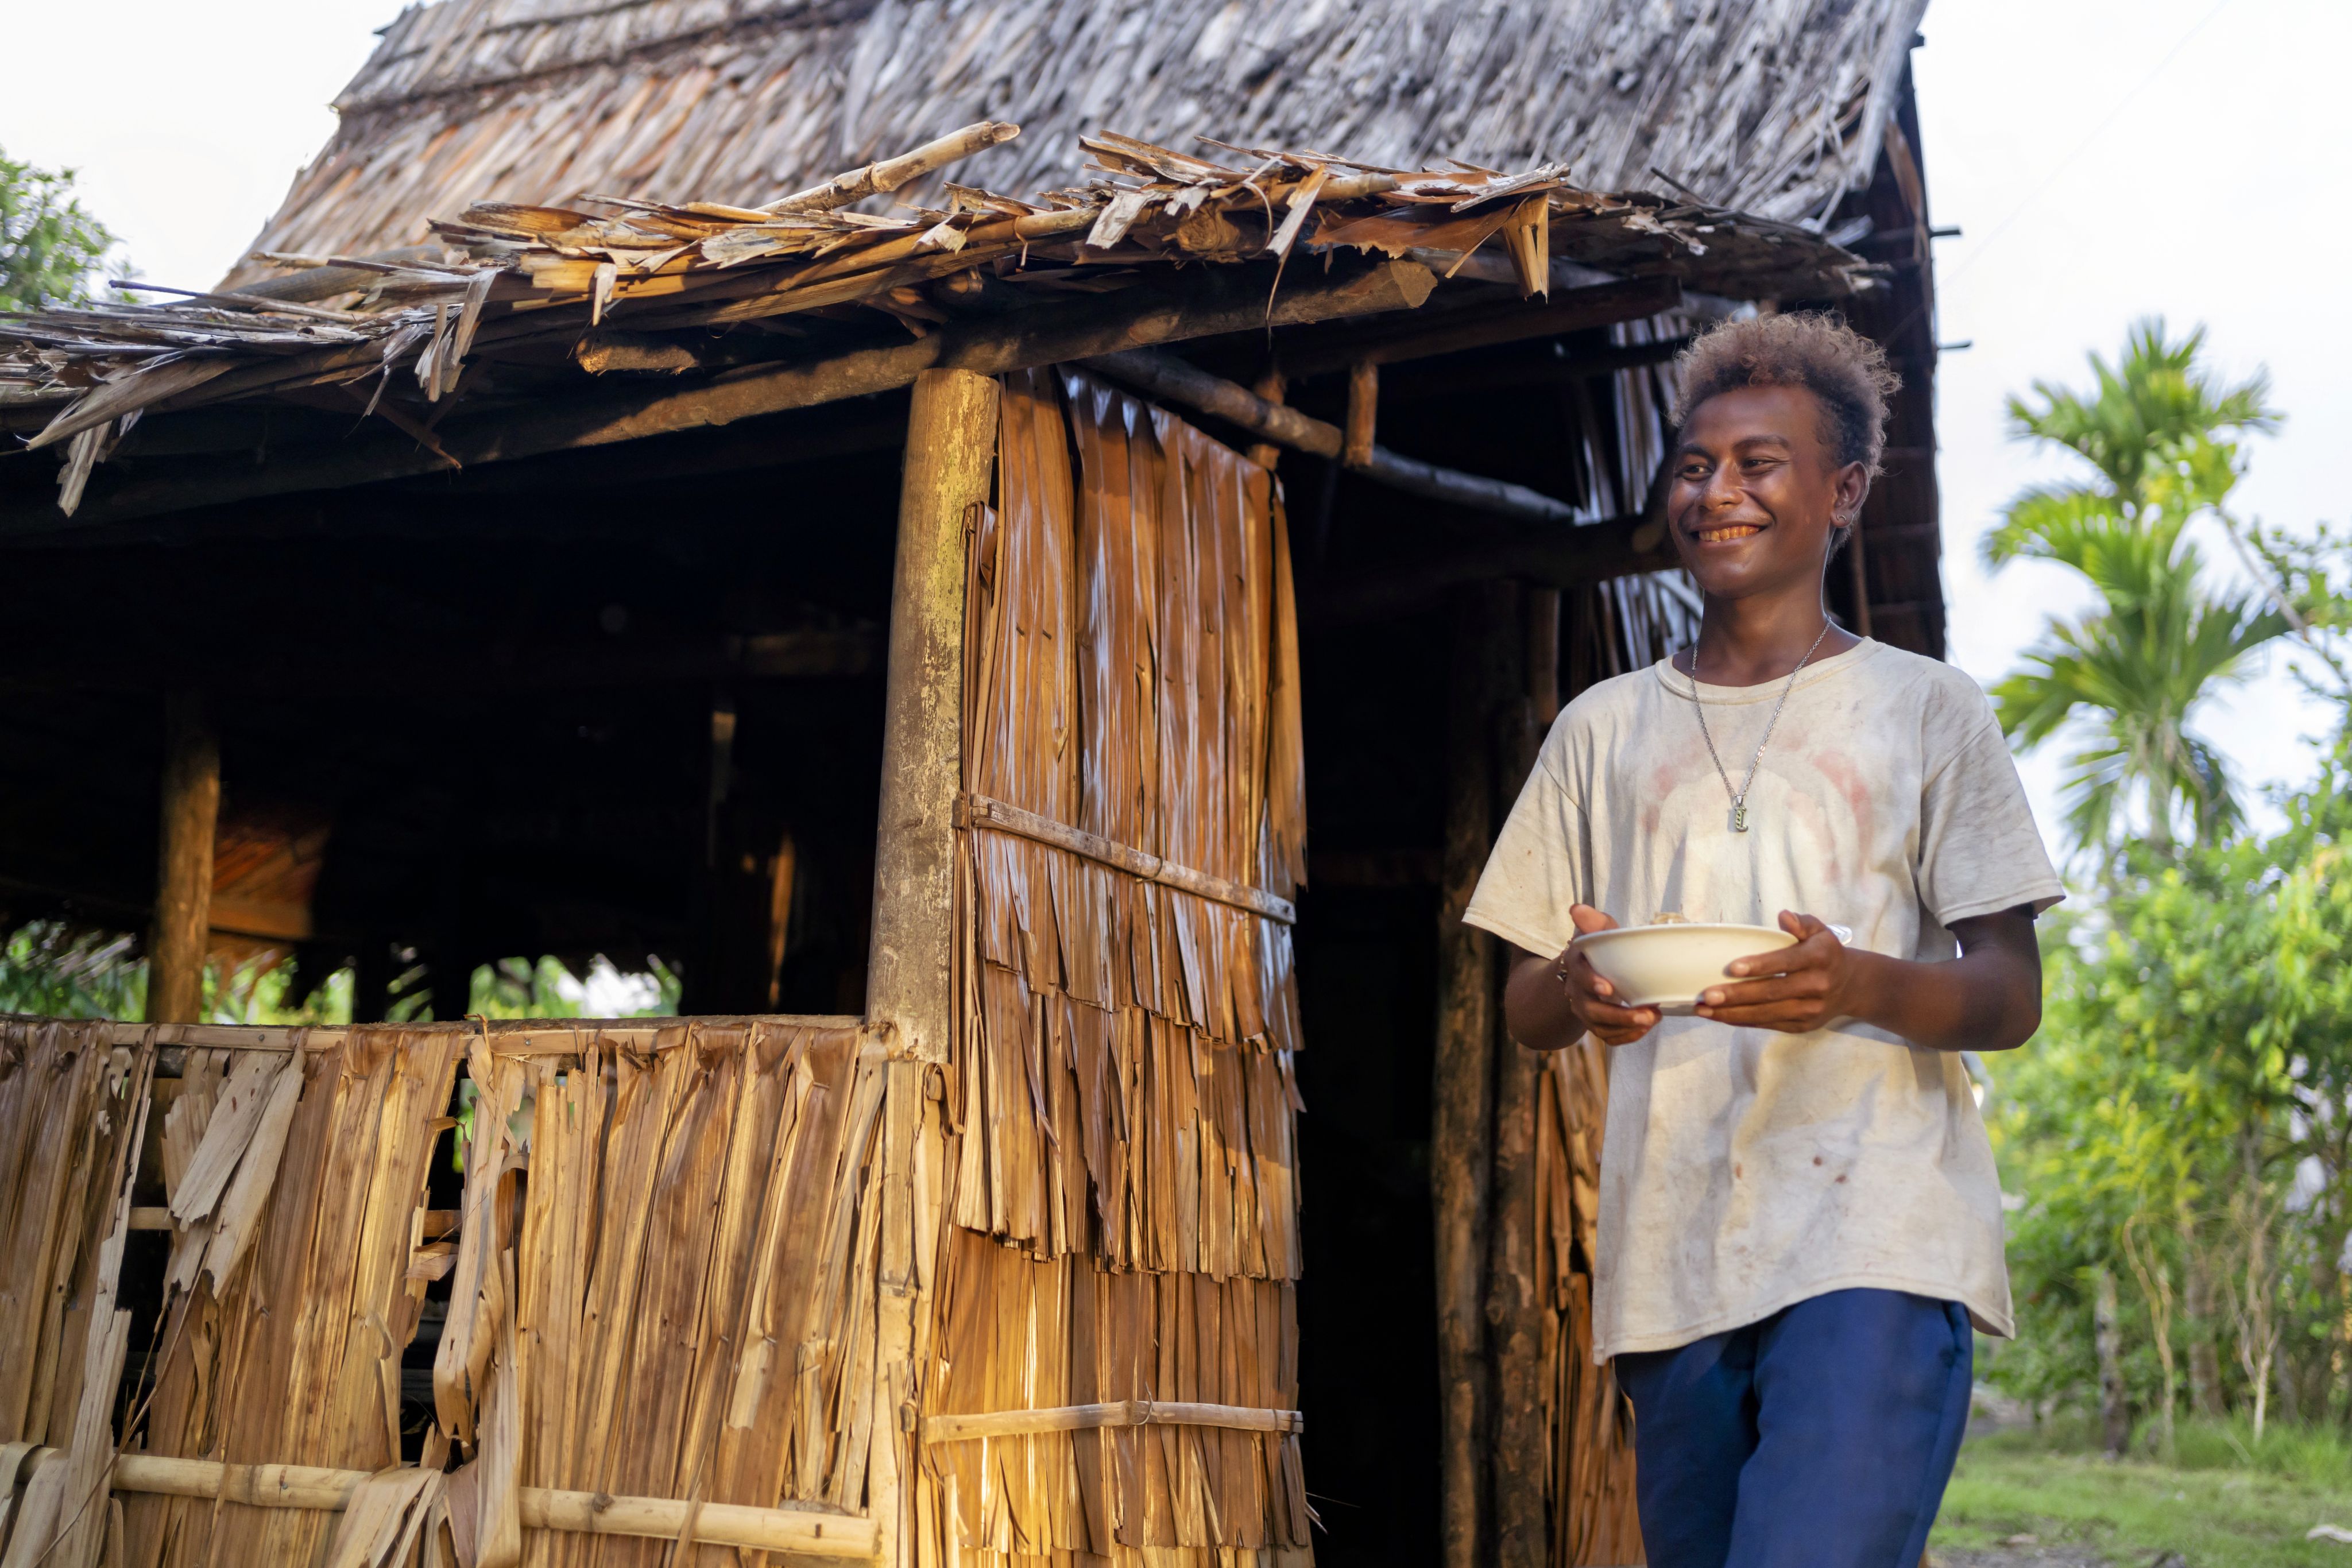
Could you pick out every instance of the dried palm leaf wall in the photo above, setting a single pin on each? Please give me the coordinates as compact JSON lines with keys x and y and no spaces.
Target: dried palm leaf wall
{"x":662,"y":1304}
{"x":73,"y":1107}
{"x":283,"y":1345}
{"x":1125,"y":1197}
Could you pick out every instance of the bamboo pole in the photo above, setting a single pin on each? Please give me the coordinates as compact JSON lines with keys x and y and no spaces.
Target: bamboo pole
{"x":543,"y":1507}
{"x":1515,"y":1307}
{"x":1170,"y":379}
{"x":889,"y":173}
{"x":979,"y":811}
{"x":184,"y":876}
{"x":1115,"y":1413}
{"x":1484,"y":677}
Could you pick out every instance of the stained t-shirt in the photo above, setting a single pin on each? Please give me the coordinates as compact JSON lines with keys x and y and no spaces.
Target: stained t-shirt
{"x":1743,"y":1170}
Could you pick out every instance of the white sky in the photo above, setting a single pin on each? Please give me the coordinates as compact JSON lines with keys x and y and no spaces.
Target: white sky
{"x":2106,"y":159}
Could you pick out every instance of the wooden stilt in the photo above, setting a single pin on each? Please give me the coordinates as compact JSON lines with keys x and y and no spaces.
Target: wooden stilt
{"x":183,"y":877}
{"x":1483,"y":678}
{"x":910,"y":984}
{"x":1515,"y":1304}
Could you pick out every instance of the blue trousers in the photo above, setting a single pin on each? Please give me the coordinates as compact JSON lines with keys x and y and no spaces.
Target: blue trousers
{"x":1820,"y":1437}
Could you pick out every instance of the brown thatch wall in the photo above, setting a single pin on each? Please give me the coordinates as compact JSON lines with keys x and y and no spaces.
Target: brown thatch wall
{"x":1777,"y":109}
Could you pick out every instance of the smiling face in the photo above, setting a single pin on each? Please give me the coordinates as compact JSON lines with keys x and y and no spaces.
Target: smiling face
{"x":1757,"y":495}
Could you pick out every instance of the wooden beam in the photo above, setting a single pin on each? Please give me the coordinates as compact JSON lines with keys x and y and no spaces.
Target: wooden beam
{"x":1621,"y":547}
{"x":1479,"y":325}
{"x":1218,"y":300}
{"x":1490,"y":373}
{"x":1484,"y":678}
{"x":813,"y":652}
{"x":1174,"y":380}
{"x":184,"y":875}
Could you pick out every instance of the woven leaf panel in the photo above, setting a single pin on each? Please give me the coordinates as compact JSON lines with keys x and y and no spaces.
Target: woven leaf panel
{"x":1131,"y":673}
{"x":295,"y":1359}
{"x":688,"y":1238}
{"x":62,"y":1122}
{"x":1125,"y":1134}
{"x":1117,"y":1492}
{"x":1123,"y":1191}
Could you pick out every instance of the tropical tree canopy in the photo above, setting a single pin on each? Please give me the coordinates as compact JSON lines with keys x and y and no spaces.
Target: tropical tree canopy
{"x":49,"y":248}
{"x":2160,"y":434}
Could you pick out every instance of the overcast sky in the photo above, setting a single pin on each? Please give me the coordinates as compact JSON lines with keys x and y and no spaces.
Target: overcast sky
{"x":2106,"y":159}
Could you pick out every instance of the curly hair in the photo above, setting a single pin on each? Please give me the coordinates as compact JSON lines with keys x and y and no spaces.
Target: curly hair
{"x":1806,"y":349}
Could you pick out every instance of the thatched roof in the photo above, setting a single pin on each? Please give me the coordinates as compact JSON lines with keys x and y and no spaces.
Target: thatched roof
{"x":1773,"y":106}
{"x":515,"y":280}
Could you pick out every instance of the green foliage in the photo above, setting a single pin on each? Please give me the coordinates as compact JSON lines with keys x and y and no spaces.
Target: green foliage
{"x":541,"y":988}
{"x":2185,"y":1108}
{"x":2219,"y":1510}
{"x":2155,"y":431}
{"x":55,"y":970}
{"x":49,"y":246}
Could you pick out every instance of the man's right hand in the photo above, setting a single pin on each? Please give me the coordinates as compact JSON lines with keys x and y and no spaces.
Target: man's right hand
{"x":1592,"y":998}
{"x":1551,"y":1002}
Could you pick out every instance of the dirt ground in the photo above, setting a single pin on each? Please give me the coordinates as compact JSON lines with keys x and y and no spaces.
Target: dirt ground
{"x":2023,"y":1554}
{"x":2019,"y":1556}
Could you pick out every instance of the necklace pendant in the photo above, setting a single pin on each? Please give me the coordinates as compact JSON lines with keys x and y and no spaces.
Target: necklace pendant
{"x":1739,"y":818}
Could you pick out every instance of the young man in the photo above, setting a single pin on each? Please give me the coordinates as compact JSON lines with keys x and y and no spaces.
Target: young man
{"x":1799,"y":1218}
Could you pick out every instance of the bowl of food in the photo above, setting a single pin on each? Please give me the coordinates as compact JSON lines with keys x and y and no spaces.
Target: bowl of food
{"x":1667,"y":963}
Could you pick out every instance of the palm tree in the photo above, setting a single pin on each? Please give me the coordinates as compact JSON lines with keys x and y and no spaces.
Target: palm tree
{"x":2157,"y":432}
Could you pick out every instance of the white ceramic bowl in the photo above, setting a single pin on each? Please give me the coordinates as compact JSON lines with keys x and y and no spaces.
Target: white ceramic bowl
{"x":1666,"y":966}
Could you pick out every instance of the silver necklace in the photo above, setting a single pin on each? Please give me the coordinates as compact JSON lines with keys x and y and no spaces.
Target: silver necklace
{"x":1739,"y":796}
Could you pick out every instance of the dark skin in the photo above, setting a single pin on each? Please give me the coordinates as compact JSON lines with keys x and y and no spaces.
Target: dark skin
{"x":1758,"y":497}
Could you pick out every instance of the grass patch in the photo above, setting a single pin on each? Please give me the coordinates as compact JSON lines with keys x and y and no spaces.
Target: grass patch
{"x":2223,"y":1501}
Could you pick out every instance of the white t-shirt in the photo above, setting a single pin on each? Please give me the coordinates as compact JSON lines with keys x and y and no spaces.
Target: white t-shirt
{"x":1743,"y":1169}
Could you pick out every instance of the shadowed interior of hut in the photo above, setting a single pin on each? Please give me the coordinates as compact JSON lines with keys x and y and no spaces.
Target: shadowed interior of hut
{"x":568,"y":707}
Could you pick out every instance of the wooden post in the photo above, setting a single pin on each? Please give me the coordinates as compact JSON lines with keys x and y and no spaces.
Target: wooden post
{"x":1484,"y":678}
{"x":1363,"y":413}
{"x":910,"y":990}
{"x":950,"y":463}
{"x":1514,"y":1299}
{"x":183,"y":875}
{"x":1272,"y":385}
